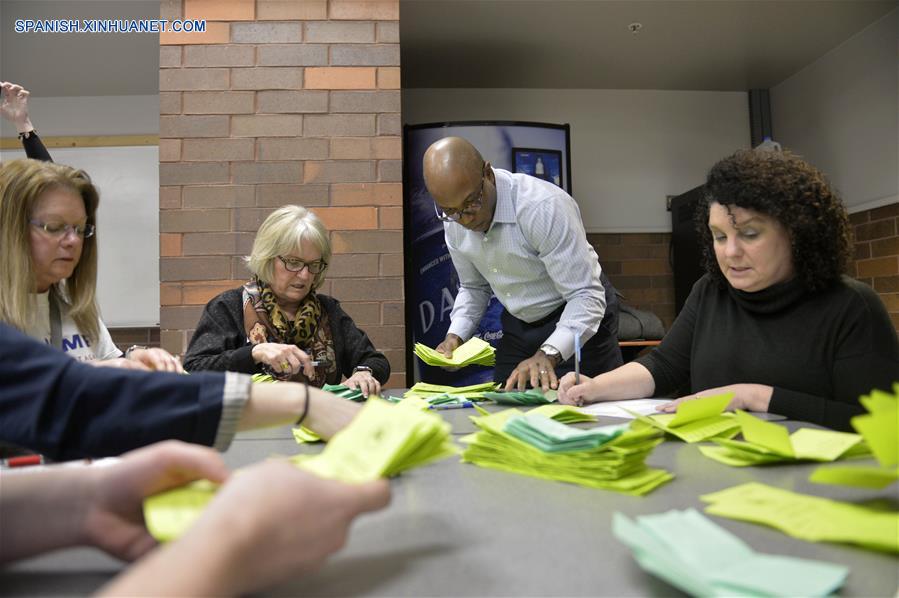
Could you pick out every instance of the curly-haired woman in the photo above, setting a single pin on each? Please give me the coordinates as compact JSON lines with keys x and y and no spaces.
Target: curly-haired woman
{"x":277,"y":323}
{"x":774,"y":320}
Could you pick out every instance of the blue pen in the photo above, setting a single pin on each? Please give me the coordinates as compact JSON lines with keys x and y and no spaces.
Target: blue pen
{"x":462,"y":405}
{"x":577,"y":358}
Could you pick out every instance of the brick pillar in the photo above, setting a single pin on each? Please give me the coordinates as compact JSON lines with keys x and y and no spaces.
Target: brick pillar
{"x":877,"y":254}
{"x":278,"y":102}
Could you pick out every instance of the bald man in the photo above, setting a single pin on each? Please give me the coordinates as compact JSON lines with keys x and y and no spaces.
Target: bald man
{"x":522,"y":239}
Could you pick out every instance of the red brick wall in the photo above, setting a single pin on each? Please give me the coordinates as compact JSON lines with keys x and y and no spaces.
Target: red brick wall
{"x":877,"y":254}
{"x":282,"y":101}
{"x":637,"y":264}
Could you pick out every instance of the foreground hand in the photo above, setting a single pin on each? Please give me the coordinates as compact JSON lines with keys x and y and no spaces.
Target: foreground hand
{"x":157,"y":359}
{"x":14,"y":106}
{"x":119,"y":362}
{"x":284,"y":360}
{"x":276,"y":521}
{"x":114,"y":519}
{"x":538,"y":370}
{"x":748,"y":397}
{"x":576,"y":394}
{"x":365,"y":382}
{"x":328,"y":414}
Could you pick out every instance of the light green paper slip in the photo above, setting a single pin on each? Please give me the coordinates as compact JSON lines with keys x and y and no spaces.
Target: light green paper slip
{"x":382,"y":440}
{"x":474,"y":351}
{"x":566,"y":414}
{"x":692,"y":553}
{"x":531,"y":396}
{"x":807,"y":517}
{"x":304,"y":435}
{"x":345,"y":392}
{"x":551,"y":436}
{"x":858,"y":476}
{"x":881,"y":432}
{"x":696,"y":420}
{"x":472,"y":392}
{"x":168,"y":514}
{"x":767,"y":442}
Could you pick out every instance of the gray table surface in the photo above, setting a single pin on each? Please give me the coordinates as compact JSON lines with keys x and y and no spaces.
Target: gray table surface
{"x":455,"y":529}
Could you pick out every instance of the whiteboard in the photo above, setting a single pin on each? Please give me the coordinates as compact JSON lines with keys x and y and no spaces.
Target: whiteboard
{"x":127,"y":228}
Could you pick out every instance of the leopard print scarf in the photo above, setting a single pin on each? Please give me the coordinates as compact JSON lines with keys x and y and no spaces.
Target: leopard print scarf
{"x":310,"y":330}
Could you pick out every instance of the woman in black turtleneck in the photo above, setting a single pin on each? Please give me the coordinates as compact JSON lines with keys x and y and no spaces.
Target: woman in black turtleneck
{"x":774,"y":320}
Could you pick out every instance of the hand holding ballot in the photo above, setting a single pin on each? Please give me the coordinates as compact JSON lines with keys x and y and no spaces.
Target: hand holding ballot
{"x":473,"y":352}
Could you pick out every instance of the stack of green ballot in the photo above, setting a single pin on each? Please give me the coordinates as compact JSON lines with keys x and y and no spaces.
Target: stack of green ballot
{"x":383,"y":440}
{"x":474,"y":392}
{"x":767,"y":442}
{"x":472,"y":352}
{"x":613,"y":460}
{"x":880,"y":429}
{"x":692,"y":553}
{"x":808,"y":517}
{"x":531,"y":396}
{"x":695,"y":420}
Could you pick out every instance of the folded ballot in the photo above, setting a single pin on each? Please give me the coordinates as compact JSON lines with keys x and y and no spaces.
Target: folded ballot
{"x":767,"y":442}
{"x":566,"y":414}
{"x":531,"y":396}
{"x":474,"y":392}
{"x":880,"y":429}
{"x":692,"y":553}
{"x":610,"y":457}
{"x":474,"y":351}
{"x":383,"y":440}
{"x":808,"y":517}
{"x":695,"y":420}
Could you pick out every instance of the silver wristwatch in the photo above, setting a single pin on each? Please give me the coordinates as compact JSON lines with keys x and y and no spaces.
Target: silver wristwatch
{"x":362,"y":368}
{"x":551,"y":352}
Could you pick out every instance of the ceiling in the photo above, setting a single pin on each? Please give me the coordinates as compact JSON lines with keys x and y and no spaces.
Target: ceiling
{"x":683,"y":44}
{"x":723,"y":45}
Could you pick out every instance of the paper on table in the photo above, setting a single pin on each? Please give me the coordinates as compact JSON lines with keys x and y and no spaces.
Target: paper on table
{"x":566,"y":414}
{"x":807,"y":517}
{"x":697,"y":419}
{"x":474,"y":351}
{"x":304,"y":435}
{"x":858,"y":476}
{"x":531,"y":396}
{"x":617,"y":408}
{"x":694,"y":554}
{"x":881,"y":432}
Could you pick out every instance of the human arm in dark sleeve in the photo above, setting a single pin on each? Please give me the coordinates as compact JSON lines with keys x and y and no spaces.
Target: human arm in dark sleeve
{"x":34,"y":147}
{"x":867,"y":357}
{"x":66,"y":410}
{"x":220,"y":343}
{"x":357,"y":347}
{"x":669,"y":363}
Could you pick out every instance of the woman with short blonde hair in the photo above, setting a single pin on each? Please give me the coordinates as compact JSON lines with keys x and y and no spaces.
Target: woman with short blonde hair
{"x":278,"y":323}
{"x":48,"y":252}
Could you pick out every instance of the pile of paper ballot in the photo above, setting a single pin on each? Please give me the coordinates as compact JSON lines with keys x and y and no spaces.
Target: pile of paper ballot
{"x":472,"y":352}
{"x":531,"y":396}
{"x":474,"y":392}
{"x":695,"y":420}
{"x":383,"y":440}
{"x":607,"y":457}
{"x":880,"y":429}
{"x":692,"y":553}
{"x":767,"y":442}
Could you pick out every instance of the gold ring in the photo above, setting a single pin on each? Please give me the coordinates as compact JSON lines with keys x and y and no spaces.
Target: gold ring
{"x":285,"y":365}
{"x":542,"y":372}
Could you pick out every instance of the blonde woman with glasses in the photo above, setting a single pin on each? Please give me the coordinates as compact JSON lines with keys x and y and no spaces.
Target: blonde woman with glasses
{"x":48,"y":249}
{"x":278,"y":324}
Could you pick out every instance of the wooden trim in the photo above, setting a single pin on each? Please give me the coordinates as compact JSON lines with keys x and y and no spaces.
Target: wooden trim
{"x":13,"y":143}
{"x":639,"y":343}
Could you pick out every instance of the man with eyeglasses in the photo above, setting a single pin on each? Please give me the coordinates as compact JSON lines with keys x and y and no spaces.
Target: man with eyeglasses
{"x":522,"y":239}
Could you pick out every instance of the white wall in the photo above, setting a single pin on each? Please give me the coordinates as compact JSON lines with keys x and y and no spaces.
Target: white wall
{"x":842,"y":114}
{"x":629,"y":148}
{"x":128,"y":181}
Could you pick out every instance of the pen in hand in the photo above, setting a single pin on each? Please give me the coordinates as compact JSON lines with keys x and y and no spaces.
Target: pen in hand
{"x":577,"y":358}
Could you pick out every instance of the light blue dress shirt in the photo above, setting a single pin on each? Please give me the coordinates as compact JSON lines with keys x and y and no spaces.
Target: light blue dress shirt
{"x":535,"y":257}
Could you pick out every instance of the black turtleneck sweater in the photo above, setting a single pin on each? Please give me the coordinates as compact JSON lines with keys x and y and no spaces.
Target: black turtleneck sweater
{"x":820,"y":351}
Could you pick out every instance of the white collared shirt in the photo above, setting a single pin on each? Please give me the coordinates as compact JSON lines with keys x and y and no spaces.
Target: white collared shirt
{"x":535,"y":257}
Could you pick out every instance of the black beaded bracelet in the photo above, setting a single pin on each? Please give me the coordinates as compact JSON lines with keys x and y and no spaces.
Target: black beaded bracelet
{"x":305,"y":406}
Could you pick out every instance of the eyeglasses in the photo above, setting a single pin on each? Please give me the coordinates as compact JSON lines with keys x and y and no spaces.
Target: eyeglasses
{"x":292,"y":264}
{"x":471,"y":206}
{"x":61,"y":230}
